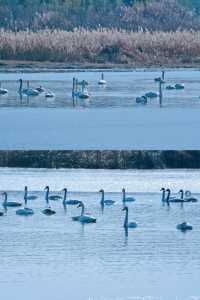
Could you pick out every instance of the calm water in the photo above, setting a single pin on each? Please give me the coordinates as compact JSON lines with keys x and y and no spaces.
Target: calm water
{"x":121,"y":90}
{"x":54,"y":258}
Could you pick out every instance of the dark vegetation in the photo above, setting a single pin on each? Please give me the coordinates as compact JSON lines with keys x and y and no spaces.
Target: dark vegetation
{"x":101,"y":159}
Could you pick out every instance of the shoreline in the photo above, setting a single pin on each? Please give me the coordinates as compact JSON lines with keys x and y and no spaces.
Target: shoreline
{"x":14,"y":65}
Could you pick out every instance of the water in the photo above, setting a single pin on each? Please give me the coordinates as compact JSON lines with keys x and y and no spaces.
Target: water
{"x":53,"y":257}
{"x":121,"y":90}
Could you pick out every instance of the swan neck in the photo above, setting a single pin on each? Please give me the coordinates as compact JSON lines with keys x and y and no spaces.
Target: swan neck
{"x":126,"y":219}
{"x":124,"y":196}
{"x":65,"y":196}
{"x":102,"y":197}
{"x":83,"y":210}
{"x":47,"y":196}
{"x":163,"y":195}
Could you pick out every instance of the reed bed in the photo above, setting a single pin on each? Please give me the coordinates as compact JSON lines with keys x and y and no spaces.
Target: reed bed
{"x":101,"y":46}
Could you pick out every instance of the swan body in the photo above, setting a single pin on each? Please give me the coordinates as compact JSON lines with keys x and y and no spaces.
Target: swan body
{"x":49,"y":94}
{"x":25,"y":211}
{"x":128,"y":224}
{"x":170,"y":87}
{"x":102,"y":81}
{"x":55,"y":197}
{"x":127,"y":199}
{"x":1,"y":214}
{"x":184,"y":226}
{"x":70,"y":201}
{"x":141,"y":100}
{"x":48,"y":211}
{"x":179,"y":86}
{"x":151,"y":95}
{"x":188,"y":197}
{"x":84,"y":94}
{"x":3,"y":91}
{"x":107,"y":201}
{"x":7,"y":203}
{"x":84,"y":218}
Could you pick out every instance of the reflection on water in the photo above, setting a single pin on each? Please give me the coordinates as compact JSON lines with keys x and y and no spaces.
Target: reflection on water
{"x":60,"y":257}
{"x":121,"y":90}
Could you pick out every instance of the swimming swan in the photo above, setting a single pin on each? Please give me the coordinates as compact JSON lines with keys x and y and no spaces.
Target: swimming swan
{"x":48,"y":210}
{"x":126,"y":223}
{"x":107,"y":201}
{"x":3,"y":91}
{"x":127,"y":199}
{"x":25,"y":211}
{"x":188,"y":197}
{"x":28,"y":91}
{"x":84,"y":218}
{"x":102,"y":81}
{"x":69,"y":202}
{"x":184,"y":226}
{"x":7,"y":203}
{"x":29,"y":197}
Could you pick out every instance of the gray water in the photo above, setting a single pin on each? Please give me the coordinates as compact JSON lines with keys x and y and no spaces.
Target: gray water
{"x":55,"y":258}
{"x":121,"y":90}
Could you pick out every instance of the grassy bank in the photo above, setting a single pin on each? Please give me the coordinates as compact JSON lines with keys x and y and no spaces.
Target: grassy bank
{"x":101,"y":159}
{"x":101,"y":47}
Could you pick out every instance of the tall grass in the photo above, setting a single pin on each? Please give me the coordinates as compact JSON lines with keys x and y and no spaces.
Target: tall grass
{"x":99,"y":46}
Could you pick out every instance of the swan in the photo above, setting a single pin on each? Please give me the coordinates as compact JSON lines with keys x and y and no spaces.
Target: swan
{"x":69,"y":202}
{"x":84,"y":94}
{"x":163,"y":194}
{"x":29,"y":197}
{"x":48,"y":210}
{"x":170,"y":87}
{"x":179,"y":86}
{"x":127,"y":199}
{"x":188,"y":197}
{"x":102,"y":81}
{"x":107,"y":201}
{"x":162,"y":78}
{"x":151,"y":95}
{"x":25,"y":211}
{"x":28,"y":91}
{"x":49,"y":94}
{"x":3,"y":91}
{"x":184,"y":226}
{"x":141,"y":100}
{"x":126,"y":223}
{"x":84,"y":218}
{"x":7,"y":203}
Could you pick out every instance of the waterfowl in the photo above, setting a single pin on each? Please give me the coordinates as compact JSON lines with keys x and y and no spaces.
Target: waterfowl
{"x":172,"y":199}
{"x":162,"y":78}
{"x":48,"y":210}
{"x":29,"y":197}
{"x":84,"y":94}
{"x":107,"y":201}
{"x":7,"y":203}
{"x":184,"y":226}
{"x":141,"y":100}
{"x":70,"y":201}
{"x":179,"y":86}
{"x":84,"y":218}
{"x":49,"y":94}
{"x":28,"y":91}
{"x":40,"y":89}
{"x":151,"y":95}
{"x":170,"y":87}
{"x":25,"y":211}
{"x":188,"y":197}
{"x":127,"y":199}
{"x":126,"y":223}
{"x":102,"y":81}
{"x":163,"y":195}
{"x":3,"y":91}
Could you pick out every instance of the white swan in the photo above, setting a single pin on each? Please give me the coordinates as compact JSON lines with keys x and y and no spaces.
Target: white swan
{"x":7,"y":203}
{"x":184,"y":226}
{"x":102,"y":81}
{"x":70,"y":201}
{"x":28,"y":91}
{"x":48,"y":210}
{"x":179,"y":86}
{"x":3,"y":91}
{"x":127,"y":199}
{"x":141,"y":100}
{"x":84,"y":94}
{"x":107,"y":201}
{"x":151,"y":95}
{"x":25,"y":211}
{"x":50,"y":94}
{"x":126,"y":223}
{"x":84,"y":218}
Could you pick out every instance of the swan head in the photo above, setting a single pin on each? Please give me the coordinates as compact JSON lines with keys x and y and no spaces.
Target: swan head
{"x":4,"y":194}
{"x":125,"y":208}
{"x":101,"y":191}
{"x":46,"y":188}
{"x":162,"y":189}
{"x":123,"y":190}
{"x":181,"y":191}
{"x":64,"y":190}
{"x":80,"y":204}
{"x":26,"y":189}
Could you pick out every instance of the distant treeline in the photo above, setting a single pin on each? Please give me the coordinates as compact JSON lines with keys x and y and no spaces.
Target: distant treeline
{"x":101,"y":159}
{"x":164,"y":15}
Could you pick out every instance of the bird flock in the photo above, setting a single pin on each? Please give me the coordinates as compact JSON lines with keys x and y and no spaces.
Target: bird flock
{"x":85,"y":217}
